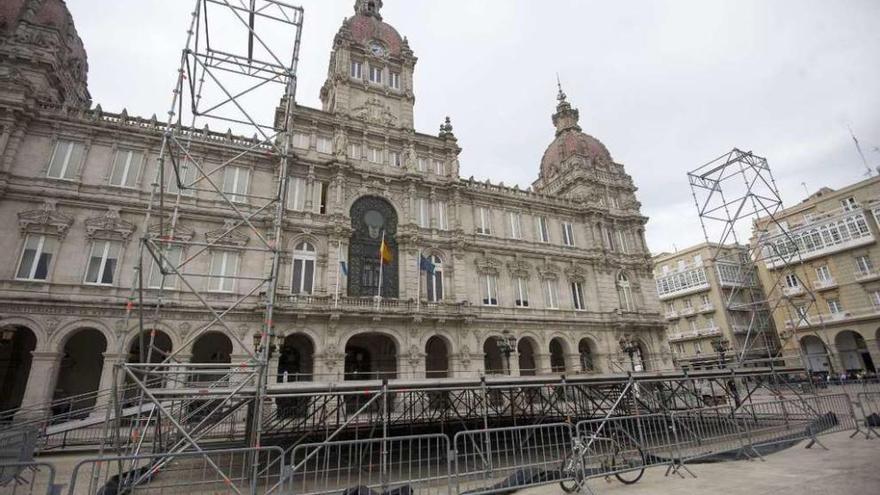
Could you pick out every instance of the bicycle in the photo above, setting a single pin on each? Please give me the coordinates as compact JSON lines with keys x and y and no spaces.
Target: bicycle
{"x":617,"y":453}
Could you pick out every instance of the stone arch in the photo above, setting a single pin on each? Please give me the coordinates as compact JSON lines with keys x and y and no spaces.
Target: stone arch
{"x":558,"y":348}
{"x":34,"y":326}
{"x":296,"y":358}
{"x":65,"y":332}
{"x":162,"y":346}
{"x":371,"y":355}
{"x":172,"y":334}
{"x":17,"y":343}
{"x":527,"y":349}
{"x":372,"y":219}
{"x":493,"y":359}
{"x":815,"y":354}
{"x":587,"y":350}
{"x":853,"y":352}
{"x":214,"y":348}
{"x":79,"y":373}
{"x":437,"y":351}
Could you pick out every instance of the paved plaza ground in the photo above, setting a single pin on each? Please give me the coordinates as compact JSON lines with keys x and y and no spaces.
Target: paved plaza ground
{"x":849,"y":467}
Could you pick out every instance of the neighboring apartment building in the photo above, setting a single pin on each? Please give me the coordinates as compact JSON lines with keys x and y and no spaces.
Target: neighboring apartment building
{"x":561,"y":266}
{"x":708,"y":302}
{"x":832,"y":281}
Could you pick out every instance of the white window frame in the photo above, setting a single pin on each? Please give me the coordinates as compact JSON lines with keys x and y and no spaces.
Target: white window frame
{"x":823,"y":274}
{"x":301,"y":140}
{"x":424,"y":212}
{"x":698,"y":347}
{"x":521,"y":292}
{"x":834,"y":306}
{"x":394,"y":158}
{"x":849,"y":204}
{"x":484,"y":217}
{"x":864,"y":264}
{"x":705,"y":299}
{"x":324,"y":145}
{"x":625,"y":289}
{"x":423,"y":164}
{"x":442,"y":219}
{"x":155,"y":279}
{"x":39,"y":250}
{"x":567,"y":234}
{"x":577,"y":296}
{"x":621,"y":241}
{"x":551,"y":293}
{"x":792,"y":281}
{"x":238,"y":194}
{"x":218,"y":279}
{"x":354,"y":151}
{"x":104,"y":246}
{"x":543,"y":229}
{"x":68,"y":169}
{"x":130,"y":169}
{"x":394,"y":80}
{"x":302,"y":254}
{"x":187,"y":173}
{"x":296,"y":194}
{"x":514,"y":219}
{"x":489,"y":289}
{"x":875,"y":299}
{"x":435,"y":294}
{"x":376,"y":74}
{"x":374,"y":155}
{"x":356,"y":70}
{"x":438,"y":168}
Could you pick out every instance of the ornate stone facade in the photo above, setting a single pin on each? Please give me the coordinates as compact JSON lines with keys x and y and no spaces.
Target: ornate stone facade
{"x":544,"y":264}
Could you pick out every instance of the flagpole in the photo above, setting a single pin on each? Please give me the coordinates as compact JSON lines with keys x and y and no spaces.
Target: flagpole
{"x":419,"y":280}
{"x":381,"y":270}
{"x":338,"y":269}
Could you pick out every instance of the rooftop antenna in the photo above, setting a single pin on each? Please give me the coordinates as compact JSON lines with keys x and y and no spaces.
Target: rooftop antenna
{"x":561,"y":95}
{"x":805,"y":189}
{"x":859,"y":149}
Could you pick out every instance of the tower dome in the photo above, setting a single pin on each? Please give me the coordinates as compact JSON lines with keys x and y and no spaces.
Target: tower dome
{"x":570,"y":141}
{"x":367,"y":27}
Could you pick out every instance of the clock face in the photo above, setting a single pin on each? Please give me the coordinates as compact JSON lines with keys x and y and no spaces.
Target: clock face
{"x":377,"y":49}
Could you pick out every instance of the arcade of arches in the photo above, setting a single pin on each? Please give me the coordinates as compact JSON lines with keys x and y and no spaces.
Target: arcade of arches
{"x":849,"y":352}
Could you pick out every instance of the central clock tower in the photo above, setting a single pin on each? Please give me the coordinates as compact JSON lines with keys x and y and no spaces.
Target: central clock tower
{"x":370,"y":76}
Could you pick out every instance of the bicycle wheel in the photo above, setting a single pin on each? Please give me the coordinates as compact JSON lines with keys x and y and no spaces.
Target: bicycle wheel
{"x":631,"y":459}
{"x":571,"y":467}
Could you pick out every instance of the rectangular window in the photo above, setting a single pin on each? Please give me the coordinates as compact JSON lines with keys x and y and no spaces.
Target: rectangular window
{"x":296,"y":194}
{"x":521,"y":292}
{"x":303,"y":276}
{"x":710,"y":321}
{"x":36,"y":257}
{"x":424,"y":213}
{"x":704,"y":299}
{"x":173,"y":258}
{"x":513,"y":218}
{"x":301,"y":140}
{"x":484,"y":220}
{"x":543,"y":231}
{"x":376,"y":75}
{"x":490,"y":290}
{"x":688,"y":304}
{"x":698,"y":347}
{"x":551,"y":297}
{"x":102,"y":263}
{"x":374,"y":155}
{"x":356,"y":69}
{"x":615,"y":201}
{"x":322,"y":188}
{"x":875,"y":299}
{"x":125,"y":168}
{"x":65,"y":160}
{"x":801,"y":311}
{"x":792,"y":281}
{"x":438,"y":168}
{"x":670,"y":307}
{"x":442,"y":222}
{"x":823,"y":274}
{"x":224,"y":266}
{"x":621,"y":241}
{"x":325,"y":145}
{"x":849,"y":204}
{"x":434,"y":282}
{"x":692,"y":323}
{"x":394,"y":158}
{"x":185,"y":175}
{"x":423,"y":164}
{"x":864,"y":265}
{"x":567,"y":234}
{"x":395,"y":80}
{"x":577,"y":296}
{"x":834,"y":306}
{"x":354,"y":151}
{"x":235,"y":183}
{"x":609,"y":240}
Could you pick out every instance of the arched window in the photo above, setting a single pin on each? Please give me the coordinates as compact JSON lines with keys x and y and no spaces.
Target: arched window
{"x":624,"y":292}
{"x":303,"y":268}
{"x":434,"y":281}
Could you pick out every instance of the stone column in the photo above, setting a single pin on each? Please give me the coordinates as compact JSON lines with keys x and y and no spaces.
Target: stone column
{"x":542,"y":363}
{"x":514,"y":364}
{"x":41,"y":384}
{"x":105,"y":386}
{"x":573,"y":363}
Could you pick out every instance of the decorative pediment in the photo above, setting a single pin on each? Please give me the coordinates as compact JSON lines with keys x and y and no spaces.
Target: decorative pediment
{"x":45,"y":220}
{"x":109,"y":226}
{"x":374,"y":112}
{"x":575,"y":273}
{"x":519,"y":268}
{"x":227,"y":235}
{"x":548,"y":271}
{"x":487,"y":265}
{"x":180,"y":232}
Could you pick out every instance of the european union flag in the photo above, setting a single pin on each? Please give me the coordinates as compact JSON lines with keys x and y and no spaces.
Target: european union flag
{"x":426,"y":266}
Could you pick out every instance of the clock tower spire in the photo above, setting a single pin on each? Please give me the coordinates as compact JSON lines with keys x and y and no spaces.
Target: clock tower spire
{"x":371,"y":71}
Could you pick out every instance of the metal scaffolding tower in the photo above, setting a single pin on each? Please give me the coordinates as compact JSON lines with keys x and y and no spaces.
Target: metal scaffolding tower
{"x":239,"y":60}
{"x":732,"y":194}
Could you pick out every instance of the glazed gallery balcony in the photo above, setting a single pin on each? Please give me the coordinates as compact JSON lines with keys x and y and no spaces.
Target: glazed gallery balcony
{"x":820,"y":236}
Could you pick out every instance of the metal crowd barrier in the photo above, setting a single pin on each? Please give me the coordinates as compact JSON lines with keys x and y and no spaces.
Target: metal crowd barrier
{"x":381,"y":464}
{"x":869,"y":404}
{"x":212,"y":471}
{"x":489,"y":460}
{"x":27,"y":478}
{"x":648,"y":438}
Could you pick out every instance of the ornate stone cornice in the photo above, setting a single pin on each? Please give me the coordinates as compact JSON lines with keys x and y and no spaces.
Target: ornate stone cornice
{"x":487,"y":265}
{"x":548,"y":271}
{"x":45,"y":220}
{"x":227,"y":236}
{"x":109,"y":226}
{"x":519,"y":268}
{"x":575,"y":273}
{"x":181,"y":231}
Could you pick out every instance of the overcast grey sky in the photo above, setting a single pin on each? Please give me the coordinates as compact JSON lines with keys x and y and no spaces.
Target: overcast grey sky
{"x":666,"y":85}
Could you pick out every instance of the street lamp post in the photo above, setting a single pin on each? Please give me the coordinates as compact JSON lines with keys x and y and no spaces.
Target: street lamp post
{"x":507,"y":345}
{"x":629,"y":347}
{"x":721,"y":346}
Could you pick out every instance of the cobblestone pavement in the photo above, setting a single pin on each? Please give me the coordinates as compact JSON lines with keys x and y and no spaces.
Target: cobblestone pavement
{"x":848,"y":467}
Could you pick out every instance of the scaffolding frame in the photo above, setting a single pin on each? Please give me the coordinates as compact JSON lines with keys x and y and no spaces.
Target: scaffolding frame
{"x":734,"y":192}
{"x":244,"y":51}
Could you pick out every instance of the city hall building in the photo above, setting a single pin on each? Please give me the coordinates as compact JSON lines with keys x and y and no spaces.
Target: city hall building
{"x":550,"y":278}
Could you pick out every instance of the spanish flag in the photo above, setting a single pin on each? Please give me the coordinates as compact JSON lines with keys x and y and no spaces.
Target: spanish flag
{"x":385,"y":252}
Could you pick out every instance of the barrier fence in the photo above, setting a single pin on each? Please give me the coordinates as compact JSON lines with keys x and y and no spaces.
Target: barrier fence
{"x":869,"y":404}
{"x":481,"y":461}
{"x":27,"y":478}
